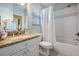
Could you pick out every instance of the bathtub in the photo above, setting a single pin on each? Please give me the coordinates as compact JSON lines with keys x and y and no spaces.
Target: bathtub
{"x":67,"y":49}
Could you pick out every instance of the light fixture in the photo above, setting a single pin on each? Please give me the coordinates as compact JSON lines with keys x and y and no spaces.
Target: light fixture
{"x":22,"y":4}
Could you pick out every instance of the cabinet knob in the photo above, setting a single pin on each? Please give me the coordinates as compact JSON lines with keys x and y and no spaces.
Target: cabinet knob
{"x":24,"y":52}
{"x":26,"y":44}
{"x":27,"y":50}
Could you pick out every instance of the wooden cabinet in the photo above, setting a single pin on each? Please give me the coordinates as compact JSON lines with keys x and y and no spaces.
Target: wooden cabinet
{"x":26,"y":48}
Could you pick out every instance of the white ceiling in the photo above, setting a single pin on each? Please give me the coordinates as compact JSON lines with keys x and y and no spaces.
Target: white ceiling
{"x":55,"y":5}
{"x":36,"y":7}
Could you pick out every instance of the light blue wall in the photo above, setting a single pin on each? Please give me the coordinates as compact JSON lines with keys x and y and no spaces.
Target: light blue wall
{"x":36,"y":26}
{"x":19,"y":10}
{"x":7,"y":11}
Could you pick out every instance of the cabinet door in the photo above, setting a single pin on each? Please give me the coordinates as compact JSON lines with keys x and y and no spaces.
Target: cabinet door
{"x":33,"y":50}
{"x":18,"y":53}
{"x":9,"y":50}
{"x":26,"y":52}
{"x":23,"y":52}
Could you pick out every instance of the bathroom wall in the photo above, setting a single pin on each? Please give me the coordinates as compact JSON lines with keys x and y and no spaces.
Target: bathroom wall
{"x":36,"y":27}
{"x":77,"y":17}
{"x":36,"y":23}
{"x":6,"y":12}
{"x":19,"y":10}
{"x":66,"y":24}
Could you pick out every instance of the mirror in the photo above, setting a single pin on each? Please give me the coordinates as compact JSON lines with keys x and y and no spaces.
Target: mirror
{"x":18,"y":20}
{"x":16,"y":16}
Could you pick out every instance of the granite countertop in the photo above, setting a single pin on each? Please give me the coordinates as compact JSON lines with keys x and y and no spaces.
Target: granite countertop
{"x":18,"y":38}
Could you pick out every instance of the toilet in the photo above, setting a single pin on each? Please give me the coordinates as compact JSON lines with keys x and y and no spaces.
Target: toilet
{"x":46,"y":45}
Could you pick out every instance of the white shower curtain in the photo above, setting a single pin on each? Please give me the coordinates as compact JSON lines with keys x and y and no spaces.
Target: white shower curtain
{"x":48,"y":25}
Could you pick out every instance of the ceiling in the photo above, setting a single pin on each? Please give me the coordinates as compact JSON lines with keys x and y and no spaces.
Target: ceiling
{"x":55,"y":5}
{"x":37,"y":7}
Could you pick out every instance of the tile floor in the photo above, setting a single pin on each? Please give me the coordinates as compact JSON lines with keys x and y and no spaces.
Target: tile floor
{"x":51,"y":53}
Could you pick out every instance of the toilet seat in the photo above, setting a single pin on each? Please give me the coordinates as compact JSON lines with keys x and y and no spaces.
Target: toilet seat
{"x":46,"y":44}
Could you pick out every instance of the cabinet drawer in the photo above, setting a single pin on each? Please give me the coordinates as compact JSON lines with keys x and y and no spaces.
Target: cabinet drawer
{"x":34,"y":50}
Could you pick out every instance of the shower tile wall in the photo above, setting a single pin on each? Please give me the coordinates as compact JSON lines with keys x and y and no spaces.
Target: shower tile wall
{"x":66,"y":24}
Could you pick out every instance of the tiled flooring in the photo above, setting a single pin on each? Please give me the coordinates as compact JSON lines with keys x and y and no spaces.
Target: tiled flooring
{"x":55,"y":53}
{"x":51,"y":53}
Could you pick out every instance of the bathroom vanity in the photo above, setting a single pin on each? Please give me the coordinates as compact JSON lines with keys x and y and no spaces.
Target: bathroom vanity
{"x":20,"y":45}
